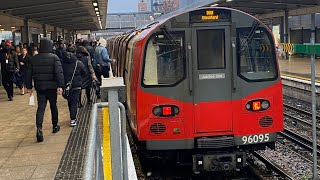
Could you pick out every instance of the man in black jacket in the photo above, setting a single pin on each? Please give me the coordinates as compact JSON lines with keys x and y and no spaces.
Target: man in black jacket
{"x":46,"y":71}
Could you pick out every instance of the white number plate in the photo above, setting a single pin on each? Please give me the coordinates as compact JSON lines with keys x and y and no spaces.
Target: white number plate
{"x":255,"y":139}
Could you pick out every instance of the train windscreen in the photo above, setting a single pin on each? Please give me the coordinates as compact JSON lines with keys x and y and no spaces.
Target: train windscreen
{"x":256,"y":54}
{"x":164,"y":59}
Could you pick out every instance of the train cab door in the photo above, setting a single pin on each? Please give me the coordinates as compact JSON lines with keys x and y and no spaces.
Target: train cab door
{"x":211,"y":68}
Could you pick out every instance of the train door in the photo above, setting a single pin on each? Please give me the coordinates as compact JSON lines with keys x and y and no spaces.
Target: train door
{"x":212,"y":79}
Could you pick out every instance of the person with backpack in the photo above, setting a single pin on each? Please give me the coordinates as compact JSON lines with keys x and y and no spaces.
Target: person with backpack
{"x":84,"y":56}
{"x":73,"y":71}
{"x":101,"y":62}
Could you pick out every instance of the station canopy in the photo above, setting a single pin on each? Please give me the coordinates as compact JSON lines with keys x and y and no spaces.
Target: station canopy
{"x":67,"y":14}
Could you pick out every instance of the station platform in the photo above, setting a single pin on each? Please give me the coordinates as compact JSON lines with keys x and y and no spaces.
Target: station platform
{"x":298,"y":67}
{"x":20,"y":156}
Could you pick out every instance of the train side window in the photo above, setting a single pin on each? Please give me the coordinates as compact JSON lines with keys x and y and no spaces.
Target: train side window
{"x":211,"y":52}
{"x":256,"y":54}
{"x":164,"y":59}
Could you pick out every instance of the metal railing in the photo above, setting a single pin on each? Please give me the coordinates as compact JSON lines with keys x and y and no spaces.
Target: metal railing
{"x":93,"y":167}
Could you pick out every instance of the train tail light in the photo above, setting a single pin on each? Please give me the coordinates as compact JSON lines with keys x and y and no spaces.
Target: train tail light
{"x":258,"y":105}
{"x":165,"y":110}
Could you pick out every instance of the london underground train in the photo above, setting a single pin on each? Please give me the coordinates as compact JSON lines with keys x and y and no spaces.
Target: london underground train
{"x":205,"y":82}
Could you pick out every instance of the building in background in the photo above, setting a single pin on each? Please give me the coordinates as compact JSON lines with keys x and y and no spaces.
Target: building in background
{"x":184,"y":3}
{"x":143,"y":6}
{"x":165,"y":6}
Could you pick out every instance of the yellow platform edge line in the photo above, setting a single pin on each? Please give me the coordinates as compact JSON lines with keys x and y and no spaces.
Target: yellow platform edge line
{"x":299,"y":77}
{"x":106,"y":148}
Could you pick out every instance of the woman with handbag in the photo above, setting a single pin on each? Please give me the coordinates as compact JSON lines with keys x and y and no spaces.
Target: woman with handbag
{"x":9,"y":65}
{"x":84,"y":56}
{"x":73,"y":71}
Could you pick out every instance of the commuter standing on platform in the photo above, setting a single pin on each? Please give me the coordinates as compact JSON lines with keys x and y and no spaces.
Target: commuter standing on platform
{"x":24,"y":61}
{"x":60,"y":50}
{"x":101,"y":62}
{"x":46,"y":71}
{"x":89,"y":48}
{"x":9,"y":65}
{"x":73,"y":71}
{"x":84,"y":57}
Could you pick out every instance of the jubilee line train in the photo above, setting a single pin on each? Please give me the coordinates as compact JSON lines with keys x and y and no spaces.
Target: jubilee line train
{"x":205,"y":82}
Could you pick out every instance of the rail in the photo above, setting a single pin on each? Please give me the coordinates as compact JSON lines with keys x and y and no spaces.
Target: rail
{"x":298,"y":139}
{"x":274,"y":167}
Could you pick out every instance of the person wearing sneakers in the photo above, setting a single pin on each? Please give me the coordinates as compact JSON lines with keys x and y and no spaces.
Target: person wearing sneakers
{"x":73,"y":71}
{"x":46,"y":71}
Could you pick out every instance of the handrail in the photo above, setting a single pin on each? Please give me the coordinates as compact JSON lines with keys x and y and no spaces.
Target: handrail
{"x":93,"y":160}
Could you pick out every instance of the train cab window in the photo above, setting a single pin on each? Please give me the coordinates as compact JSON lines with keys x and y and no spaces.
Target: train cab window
{"x":211,"y":52}
{"x":164,"y":59}
{"x":256,"y":54}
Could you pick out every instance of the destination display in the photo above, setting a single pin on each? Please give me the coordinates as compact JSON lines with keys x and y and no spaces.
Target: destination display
{"x":210,"y":15}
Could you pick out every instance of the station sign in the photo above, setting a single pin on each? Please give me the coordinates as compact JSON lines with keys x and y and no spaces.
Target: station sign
{"x":210,"y":15}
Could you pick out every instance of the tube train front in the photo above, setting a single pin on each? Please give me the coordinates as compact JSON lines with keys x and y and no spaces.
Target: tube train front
{"x":204,"y":81}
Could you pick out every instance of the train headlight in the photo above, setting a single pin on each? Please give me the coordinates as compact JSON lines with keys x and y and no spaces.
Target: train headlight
{"x":265,"y":104}
{"x":165,"y":110}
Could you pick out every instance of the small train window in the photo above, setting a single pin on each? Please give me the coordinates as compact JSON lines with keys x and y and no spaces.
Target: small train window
{"x":164,"y":59}
{"x":256,"y":54}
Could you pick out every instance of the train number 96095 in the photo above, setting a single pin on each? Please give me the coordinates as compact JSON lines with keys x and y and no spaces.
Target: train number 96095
{"x":254,"y":139}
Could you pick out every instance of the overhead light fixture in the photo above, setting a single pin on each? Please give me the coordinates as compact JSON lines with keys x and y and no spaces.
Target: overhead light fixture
{"x":229,"y":0}
{"x":12,"y":27}
{"x":0,"y":25}
{"x":97,"y":12}
{"x":1,"y":29}
{"x":98,"y":15}
{"x":213,"y":5}
{"x":95,"y":4}
{"x":96,"y":9}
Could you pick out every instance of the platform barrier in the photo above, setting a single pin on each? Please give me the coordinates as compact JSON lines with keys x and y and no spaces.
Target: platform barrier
{"x":109,"y":157}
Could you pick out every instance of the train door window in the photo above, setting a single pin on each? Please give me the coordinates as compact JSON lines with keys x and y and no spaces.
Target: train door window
{"x":164,"y":63}
{"x":211,"y":52}
{"x":256,"y":54}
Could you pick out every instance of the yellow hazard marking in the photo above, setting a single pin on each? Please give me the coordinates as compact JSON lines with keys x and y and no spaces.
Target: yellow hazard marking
{"x":299,"y":77}
{"x":287,"y":47}
{"x":265,"y":48}
{"x":106,"y":148}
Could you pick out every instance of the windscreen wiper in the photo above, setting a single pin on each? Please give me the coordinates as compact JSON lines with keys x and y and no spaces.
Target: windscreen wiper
{"x":247,"y":41}
{"x":169,"y":36}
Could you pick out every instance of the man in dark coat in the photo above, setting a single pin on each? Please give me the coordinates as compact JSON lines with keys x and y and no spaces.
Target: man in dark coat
{"x":9,"y":66}
{"x":46,"y":71}
{"x":89,"y":48}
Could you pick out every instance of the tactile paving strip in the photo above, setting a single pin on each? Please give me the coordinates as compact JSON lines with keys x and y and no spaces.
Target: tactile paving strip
{"x":72,"y":161}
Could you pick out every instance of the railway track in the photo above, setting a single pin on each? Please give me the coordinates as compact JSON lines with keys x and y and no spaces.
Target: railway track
{"x":300,"y":120}
{"x":299,"y":140}
{"x":281,"y":172}
{"x":307,"y":113}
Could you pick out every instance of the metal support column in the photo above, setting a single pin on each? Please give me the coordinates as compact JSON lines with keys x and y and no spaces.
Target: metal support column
{"x":63,"y":35}
{"x":54,"y":35}
{"x":44,"y":28}
{"x":112,"y":85}
{"x":25,"y":32}
{"x":286,"y":30}
{"x":314,"y":111}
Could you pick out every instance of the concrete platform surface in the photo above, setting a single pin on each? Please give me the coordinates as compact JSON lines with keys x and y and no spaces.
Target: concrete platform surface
{"x":20,"y":156}
{"x":298,"y":66}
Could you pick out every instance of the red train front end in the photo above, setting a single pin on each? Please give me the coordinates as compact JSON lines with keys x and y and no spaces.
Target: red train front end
{"x":207,"y":82}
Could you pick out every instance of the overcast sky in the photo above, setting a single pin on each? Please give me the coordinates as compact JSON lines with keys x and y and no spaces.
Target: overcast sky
{"x":116,"y":6}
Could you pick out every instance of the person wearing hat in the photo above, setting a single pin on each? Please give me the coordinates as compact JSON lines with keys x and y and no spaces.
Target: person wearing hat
{"x":101,"y":62}
{"x":9,"y":65}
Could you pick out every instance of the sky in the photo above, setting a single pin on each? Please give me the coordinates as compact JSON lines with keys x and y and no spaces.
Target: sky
{"x":122,"y":6}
